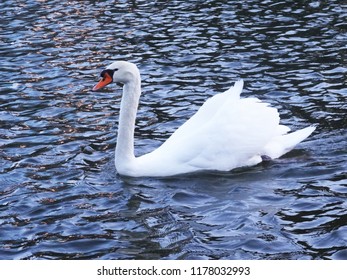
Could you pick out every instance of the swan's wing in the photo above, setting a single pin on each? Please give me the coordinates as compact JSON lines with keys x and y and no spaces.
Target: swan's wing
{"x":227,"y":132}
{"x":238,"y":134}
{"x":206,"y":112}
{"x":223,"y":140}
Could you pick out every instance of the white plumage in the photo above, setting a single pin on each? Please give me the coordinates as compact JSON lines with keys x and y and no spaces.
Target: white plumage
{"x":225,"y":133}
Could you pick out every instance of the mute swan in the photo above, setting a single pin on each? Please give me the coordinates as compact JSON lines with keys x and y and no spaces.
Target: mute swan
{"x":225,"y":133}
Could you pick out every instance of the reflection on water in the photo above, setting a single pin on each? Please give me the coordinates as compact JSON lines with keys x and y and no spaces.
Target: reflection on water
{"x":60,"y":197}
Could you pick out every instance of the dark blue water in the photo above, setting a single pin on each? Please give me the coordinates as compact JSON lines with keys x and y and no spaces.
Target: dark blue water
{"x":60,"y":197}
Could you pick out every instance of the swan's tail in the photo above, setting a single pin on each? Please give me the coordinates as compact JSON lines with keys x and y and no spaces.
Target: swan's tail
{"x":284,"y":143}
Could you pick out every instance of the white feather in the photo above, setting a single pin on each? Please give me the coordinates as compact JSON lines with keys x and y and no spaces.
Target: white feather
{"x":225,"y":133}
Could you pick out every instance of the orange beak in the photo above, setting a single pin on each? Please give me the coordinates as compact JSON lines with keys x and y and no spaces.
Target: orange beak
{"x":106,"y":79}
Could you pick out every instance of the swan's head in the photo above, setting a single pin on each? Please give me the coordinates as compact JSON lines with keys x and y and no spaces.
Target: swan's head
{"x":119,"y":72}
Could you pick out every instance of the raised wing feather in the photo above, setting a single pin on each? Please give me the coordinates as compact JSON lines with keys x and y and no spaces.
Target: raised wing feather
{"x":225,"y":133}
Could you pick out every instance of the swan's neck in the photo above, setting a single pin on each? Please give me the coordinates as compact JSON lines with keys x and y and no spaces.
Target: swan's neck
{"x":125,"y":140}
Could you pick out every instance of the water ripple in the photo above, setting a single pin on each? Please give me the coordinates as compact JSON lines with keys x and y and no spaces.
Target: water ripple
{"x":60,"y":197}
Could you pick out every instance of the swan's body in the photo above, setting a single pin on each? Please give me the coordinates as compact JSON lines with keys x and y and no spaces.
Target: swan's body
{"x":225,"y":133}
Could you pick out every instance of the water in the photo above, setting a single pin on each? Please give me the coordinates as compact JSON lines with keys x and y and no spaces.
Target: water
{"x":60,"y":197}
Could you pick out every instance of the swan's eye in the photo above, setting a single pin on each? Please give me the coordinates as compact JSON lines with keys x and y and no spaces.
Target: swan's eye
{"x":109,"y":73}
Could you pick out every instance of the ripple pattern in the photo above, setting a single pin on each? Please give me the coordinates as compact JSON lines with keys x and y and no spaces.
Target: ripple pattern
{"x":60,"y":197}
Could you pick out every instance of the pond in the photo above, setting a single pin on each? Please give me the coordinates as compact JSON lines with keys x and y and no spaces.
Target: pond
{"x":60,"y":195}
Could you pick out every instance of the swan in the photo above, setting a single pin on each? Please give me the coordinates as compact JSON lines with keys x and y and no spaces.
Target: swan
{"x":225,"y":133}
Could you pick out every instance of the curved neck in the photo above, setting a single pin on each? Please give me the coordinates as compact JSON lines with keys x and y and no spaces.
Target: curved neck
{"x":126,"y":126}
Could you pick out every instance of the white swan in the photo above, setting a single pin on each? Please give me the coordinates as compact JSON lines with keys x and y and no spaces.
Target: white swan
{"x":225,"y":133}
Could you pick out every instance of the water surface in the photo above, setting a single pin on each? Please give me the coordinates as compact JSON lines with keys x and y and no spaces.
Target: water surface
{"x":60,"y":196}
